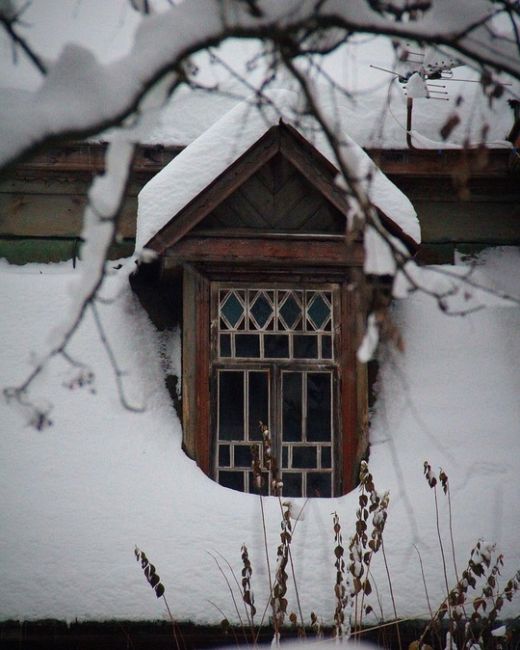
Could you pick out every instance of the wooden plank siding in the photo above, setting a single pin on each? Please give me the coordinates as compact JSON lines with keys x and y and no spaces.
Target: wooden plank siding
{"x":195,"y":365}
{"x":277,"y":196}
{"x":258,"y":251}
{"x":60,"y":176}
{"x":222,"y":187}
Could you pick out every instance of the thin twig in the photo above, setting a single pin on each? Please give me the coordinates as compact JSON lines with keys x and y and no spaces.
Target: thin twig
{"x":236,"y":582}
{"x":113,"y":362}
{"x":225,"y":619}
{"x":300,"y":611}
{"x":174,"y":625}
{"x":391,"y":594}
{"x":424,"y":581}
{"x":7,"y":24}
{"x":231,"y":593}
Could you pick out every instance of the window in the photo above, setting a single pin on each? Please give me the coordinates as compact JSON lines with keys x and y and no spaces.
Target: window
{"x":273,"y":361}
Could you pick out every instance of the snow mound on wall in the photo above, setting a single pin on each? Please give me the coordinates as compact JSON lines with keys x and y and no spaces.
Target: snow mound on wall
{"x":77,"y":497}
{"x":224,"y":142}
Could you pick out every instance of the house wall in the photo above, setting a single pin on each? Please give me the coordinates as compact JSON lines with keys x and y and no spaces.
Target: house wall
{"x":41,"y":200}
{"x":77,"y":496}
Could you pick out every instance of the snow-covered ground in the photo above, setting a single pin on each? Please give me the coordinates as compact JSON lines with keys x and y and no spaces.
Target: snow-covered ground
{"x":78,"y":496}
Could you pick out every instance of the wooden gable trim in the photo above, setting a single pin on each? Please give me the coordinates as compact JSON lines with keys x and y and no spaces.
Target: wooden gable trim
{"x":398,"y":232}
{"x":328,"y":167}
{"x":303,"y":159}
{"x":280,"y":138}
{"x":319,"y":171}
{"x":257,"y":250}
{"x":283,"y":138}
{"x":222,"y":187}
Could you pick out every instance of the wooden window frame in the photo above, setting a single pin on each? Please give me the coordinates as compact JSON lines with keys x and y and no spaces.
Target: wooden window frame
{"x":199,"y":331}
{"x":276,"y":366}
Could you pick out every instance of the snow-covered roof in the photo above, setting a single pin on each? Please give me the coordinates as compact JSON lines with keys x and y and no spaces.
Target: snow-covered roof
{"x":228,"y":138}
{"x":374,"y":118}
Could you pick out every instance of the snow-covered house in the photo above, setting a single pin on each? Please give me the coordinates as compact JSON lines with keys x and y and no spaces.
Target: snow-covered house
{"x":257,"y":242}
{"x":256,"y":302}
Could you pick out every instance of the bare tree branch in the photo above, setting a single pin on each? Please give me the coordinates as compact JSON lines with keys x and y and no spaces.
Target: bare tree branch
{"x":9,"y":22}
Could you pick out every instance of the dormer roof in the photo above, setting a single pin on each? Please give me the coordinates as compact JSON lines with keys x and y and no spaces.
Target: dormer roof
{"x":207,"y":171}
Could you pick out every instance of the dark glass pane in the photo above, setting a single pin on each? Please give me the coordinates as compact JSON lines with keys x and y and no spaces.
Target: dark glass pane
{"x":326,"y":459}
{"x":258,"y":403}
{"x":292,"y":406}
{"x":285,"y":456}
{"x":232,"y":309}
{"x":247,"y":345}
{"x":231,"y":405}
{"x":305,"y":457}
{"x":233,"y":480}
{"x":224,"y":456}
{"x":225,"y":345}
{"x":261,"y":310}
{"x":290,"y":311}
{"x":276,"y":346}
{"x":243,"y":456}
{"x":292,"y":484}
{"x":319,"y":484}
{"x":326,"y":347}
{"x":318,"y":310}
{"x":254,"y":488}
{"x":306,"y":347}
{"x":318,"y":406}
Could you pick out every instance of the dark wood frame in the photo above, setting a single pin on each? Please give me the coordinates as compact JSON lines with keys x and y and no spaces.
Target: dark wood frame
{"x":351,"y":394}
{"x":277,"y":366}
{"x":187,"y":248}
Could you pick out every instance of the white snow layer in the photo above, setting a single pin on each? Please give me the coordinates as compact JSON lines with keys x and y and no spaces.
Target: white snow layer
{"x":224,"y":142}
{"x":374,"y":117}
{"x":78,"y":496}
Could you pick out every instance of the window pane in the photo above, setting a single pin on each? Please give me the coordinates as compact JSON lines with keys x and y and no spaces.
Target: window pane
{"x":247,"y":345}
{"x":326,"y":459}
{"x":318,"y":406}
{"x":292,"y":484}
{"x":306,"y":347}
{"x":319,"y":484}
{"x":305,"y":457}
{"x":233,"y":480}
{"x":285,"y":456}
{"x":232,"y":309}
{"x":258,"y":403}
{"x":243,"y":456}
{"x":276,"y":346}
{"x":225,"y":345}
{"x":231,"y":405}
{"x":224,"y":457}
{"x":261,"y":311}
{"x":326,"y":347}
{"x":318,"y":311}
{"x":292,"y":406}
{"x":290,"y":312}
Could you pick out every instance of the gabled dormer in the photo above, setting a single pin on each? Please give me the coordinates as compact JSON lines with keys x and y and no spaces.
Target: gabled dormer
{"x":274,"y":301}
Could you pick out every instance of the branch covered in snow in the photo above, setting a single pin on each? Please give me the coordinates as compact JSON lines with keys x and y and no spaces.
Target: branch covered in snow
{"x":80,"y":96}
{"x":99,"y":230}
